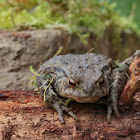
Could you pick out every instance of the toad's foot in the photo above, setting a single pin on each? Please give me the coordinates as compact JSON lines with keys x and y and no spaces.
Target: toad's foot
{"x":60,"y":107}
{"x":109,"y":112}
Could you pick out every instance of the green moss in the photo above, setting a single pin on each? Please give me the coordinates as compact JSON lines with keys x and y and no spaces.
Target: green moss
{"x":76,"y":16}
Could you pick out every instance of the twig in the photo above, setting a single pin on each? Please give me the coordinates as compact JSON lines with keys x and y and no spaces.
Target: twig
{"x":90,"y":51}
{"x":59,"y":51}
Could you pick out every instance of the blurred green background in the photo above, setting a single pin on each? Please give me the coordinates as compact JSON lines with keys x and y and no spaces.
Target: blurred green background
{"x":93,"y":21}
{"x":128,"y":8}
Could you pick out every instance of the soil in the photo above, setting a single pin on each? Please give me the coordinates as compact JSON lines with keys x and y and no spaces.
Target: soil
{"x":23,"y":116}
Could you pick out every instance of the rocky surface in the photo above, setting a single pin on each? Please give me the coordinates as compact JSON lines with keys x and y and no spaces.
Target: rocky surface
{"x":19,"y":50}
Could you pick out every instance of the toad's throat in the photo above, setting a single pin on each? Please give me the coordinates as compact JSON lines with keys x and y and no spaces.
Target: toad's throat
{"x":86,"y":99}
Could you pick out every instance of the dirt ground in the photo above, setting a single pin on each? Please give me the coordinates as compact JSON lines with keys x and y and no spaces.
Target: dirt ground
{"x":23,"y":116}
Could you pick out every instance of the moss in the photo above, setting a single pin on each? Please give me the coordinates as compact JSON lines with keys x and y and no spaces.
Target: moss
{"x":75,"y":16}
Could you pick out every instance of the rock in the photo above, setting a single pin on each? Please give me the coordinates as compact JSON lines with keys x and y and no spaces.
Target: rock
{"x":19,"y":50}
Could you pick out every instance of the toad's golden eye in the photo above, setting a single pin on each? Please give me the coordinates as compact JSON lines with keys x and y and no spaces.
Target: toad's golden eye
{"x":72,"y":83}
{"x":101,"y":82}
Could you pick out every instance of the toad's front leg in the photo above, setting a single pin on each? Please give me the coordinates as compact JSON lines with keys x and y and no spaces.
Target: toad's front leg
{"x":52,"y":98}
{"x":117,"y":85}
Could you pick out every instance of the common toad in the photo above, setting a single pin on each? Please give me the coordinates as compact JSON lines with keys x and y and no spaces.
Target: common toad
{"x":83,"y":78}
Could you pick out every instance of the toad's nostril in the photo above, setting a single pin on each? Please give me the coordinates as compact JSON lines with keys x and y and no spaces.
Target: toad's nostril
{"x":88,"y":88}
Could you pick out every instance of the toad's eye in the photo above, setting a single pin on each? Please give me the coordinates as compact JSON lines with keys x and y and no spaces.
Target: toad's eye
{"x":72,"y":83}
{"x":101,"y":82}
